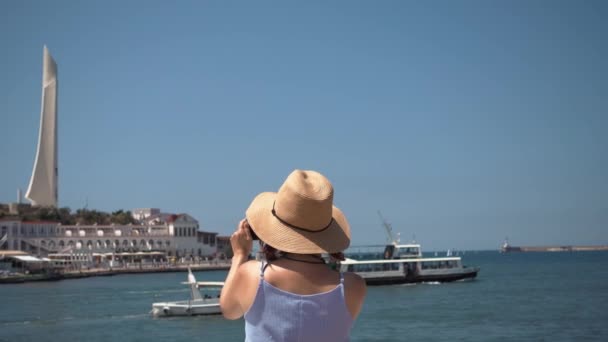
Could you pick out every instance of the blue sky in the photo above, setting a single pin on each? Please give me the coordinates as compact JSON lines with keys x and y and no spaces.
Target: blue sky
{"x":462,"y":121}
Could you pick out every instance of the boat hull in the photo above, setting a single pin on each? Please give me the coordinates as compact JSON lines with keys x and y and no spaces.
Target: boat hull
{"x":191,"y":308}
{"x":388,"y":279}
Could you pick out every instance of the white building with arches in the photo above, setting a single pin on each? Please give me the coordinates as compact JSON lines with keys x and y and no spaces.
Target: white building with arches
{"x":179,"y":235}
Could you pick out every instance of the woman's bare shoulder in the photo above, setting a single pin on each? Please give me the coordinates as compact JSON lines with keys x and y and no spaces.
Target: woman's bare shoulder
{"x":250,"y":268}
{"x":355,"y":282}
{"x":355,"y":289}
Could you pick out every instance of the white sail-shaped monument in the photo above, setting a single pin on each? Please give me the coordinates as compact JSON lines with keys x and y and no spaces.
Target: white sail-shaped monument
{"x":43,"y":188}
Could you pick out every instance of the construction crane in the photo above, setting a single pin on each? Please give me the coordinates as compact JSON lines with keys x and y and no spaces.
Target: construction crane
{"x":389,"y":230}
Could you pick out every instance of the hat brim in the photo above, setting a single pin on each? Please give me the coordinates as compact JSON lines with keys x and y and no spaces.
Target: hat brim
{"x":269,"y":229}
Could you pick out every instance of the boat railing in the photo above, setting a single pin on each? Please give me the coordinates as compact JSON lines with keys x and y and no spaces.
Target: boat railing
{"x":350,"y":261}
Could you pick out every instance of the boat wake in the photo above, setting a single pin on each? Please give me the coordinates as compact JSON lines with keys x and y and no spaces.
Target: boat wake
{"x":432,"y":282}
{"x":133,"y":316}
{"x":407,"y":284}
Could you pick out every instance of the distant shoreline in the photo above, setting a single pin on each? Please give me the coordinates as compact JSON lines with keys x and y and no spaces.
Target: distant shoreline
{"x":108,"y":272}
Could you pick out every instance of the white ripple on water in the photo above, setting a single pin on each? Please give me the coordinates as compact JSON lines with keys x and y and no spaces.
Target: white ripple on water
{"x":37,"y":321}
{"x":132,"y":316}
{"x":70,"y":318}
{"x":156,"y":291}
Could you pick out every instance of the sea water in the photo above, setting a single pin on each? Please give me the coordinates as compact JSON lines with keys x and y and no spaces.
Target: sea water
{"x":516,"y":297}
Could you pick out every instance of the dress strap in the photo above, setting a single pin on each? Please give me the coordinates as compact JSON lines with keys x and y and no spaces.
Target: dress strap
{"x":342,"y":284}
{"x":263,"y":266}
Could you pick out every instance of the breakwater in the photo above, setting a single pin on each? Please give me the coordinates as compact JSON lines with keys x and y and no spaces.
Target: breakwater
{"x":507,"y":249}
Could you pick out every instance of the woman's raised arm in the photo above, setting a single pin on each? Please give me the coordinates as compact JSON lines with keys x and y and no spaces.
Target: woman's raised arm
{"x":234,"y":285}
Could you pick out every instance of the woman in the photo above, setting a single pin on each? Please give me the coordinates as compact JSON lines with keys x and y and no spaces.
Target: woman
{"x":293,"y":295}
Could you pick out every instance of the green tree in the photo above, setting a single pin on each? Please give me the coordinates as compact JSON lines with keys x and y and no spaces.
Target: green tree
{"x":122,"y":217}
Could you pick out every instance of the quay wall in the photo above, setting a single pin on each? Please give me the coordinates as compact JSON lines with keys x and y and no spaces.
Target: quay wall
{"x":105,"y":272}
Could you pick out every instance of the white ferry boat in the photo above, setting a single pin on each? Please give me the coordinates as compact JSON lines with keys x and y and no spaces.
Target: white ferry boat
{"x":399,"y":264}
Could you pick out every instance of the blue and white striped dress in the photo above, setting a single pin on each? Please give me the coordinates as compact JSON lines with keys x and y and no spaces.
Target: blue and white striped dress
{"x":278,"y":315}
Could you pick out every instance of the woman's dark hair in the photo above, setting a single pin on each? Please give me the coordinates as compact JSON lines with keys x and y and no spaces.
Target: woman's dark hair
{"x":271,"y":253}
{"x":338,"y":256}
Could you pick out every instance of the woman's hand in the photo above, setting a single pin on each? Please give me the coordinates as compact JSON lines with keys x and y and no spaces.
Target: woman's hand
{"x":241,"y":240}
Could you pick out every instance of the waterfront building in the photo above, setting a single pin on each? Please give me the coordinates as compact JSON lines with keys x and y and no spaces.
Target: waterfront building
{"x":177,"y":235}
{"x":17,"y":261}
{"x":141,"y":214}
{"x":224,"y":248}
{"x":9,"y":230}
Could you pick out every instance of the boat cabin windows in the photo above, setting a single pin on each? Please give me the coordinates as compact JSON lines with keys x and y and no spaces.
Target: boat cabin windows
{"x":374,"y":267}
{"x":440,"y":264}
{"x":409,"y":252}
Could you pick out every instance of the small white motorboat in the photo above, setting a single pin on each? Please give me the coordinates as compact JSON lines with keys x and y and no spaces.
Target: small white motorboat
{"x":206,"y":304}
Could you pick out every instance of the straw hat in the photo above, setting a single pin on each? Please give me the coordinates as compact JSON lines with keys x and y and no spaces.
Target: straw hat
{"x":301,"y":217}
